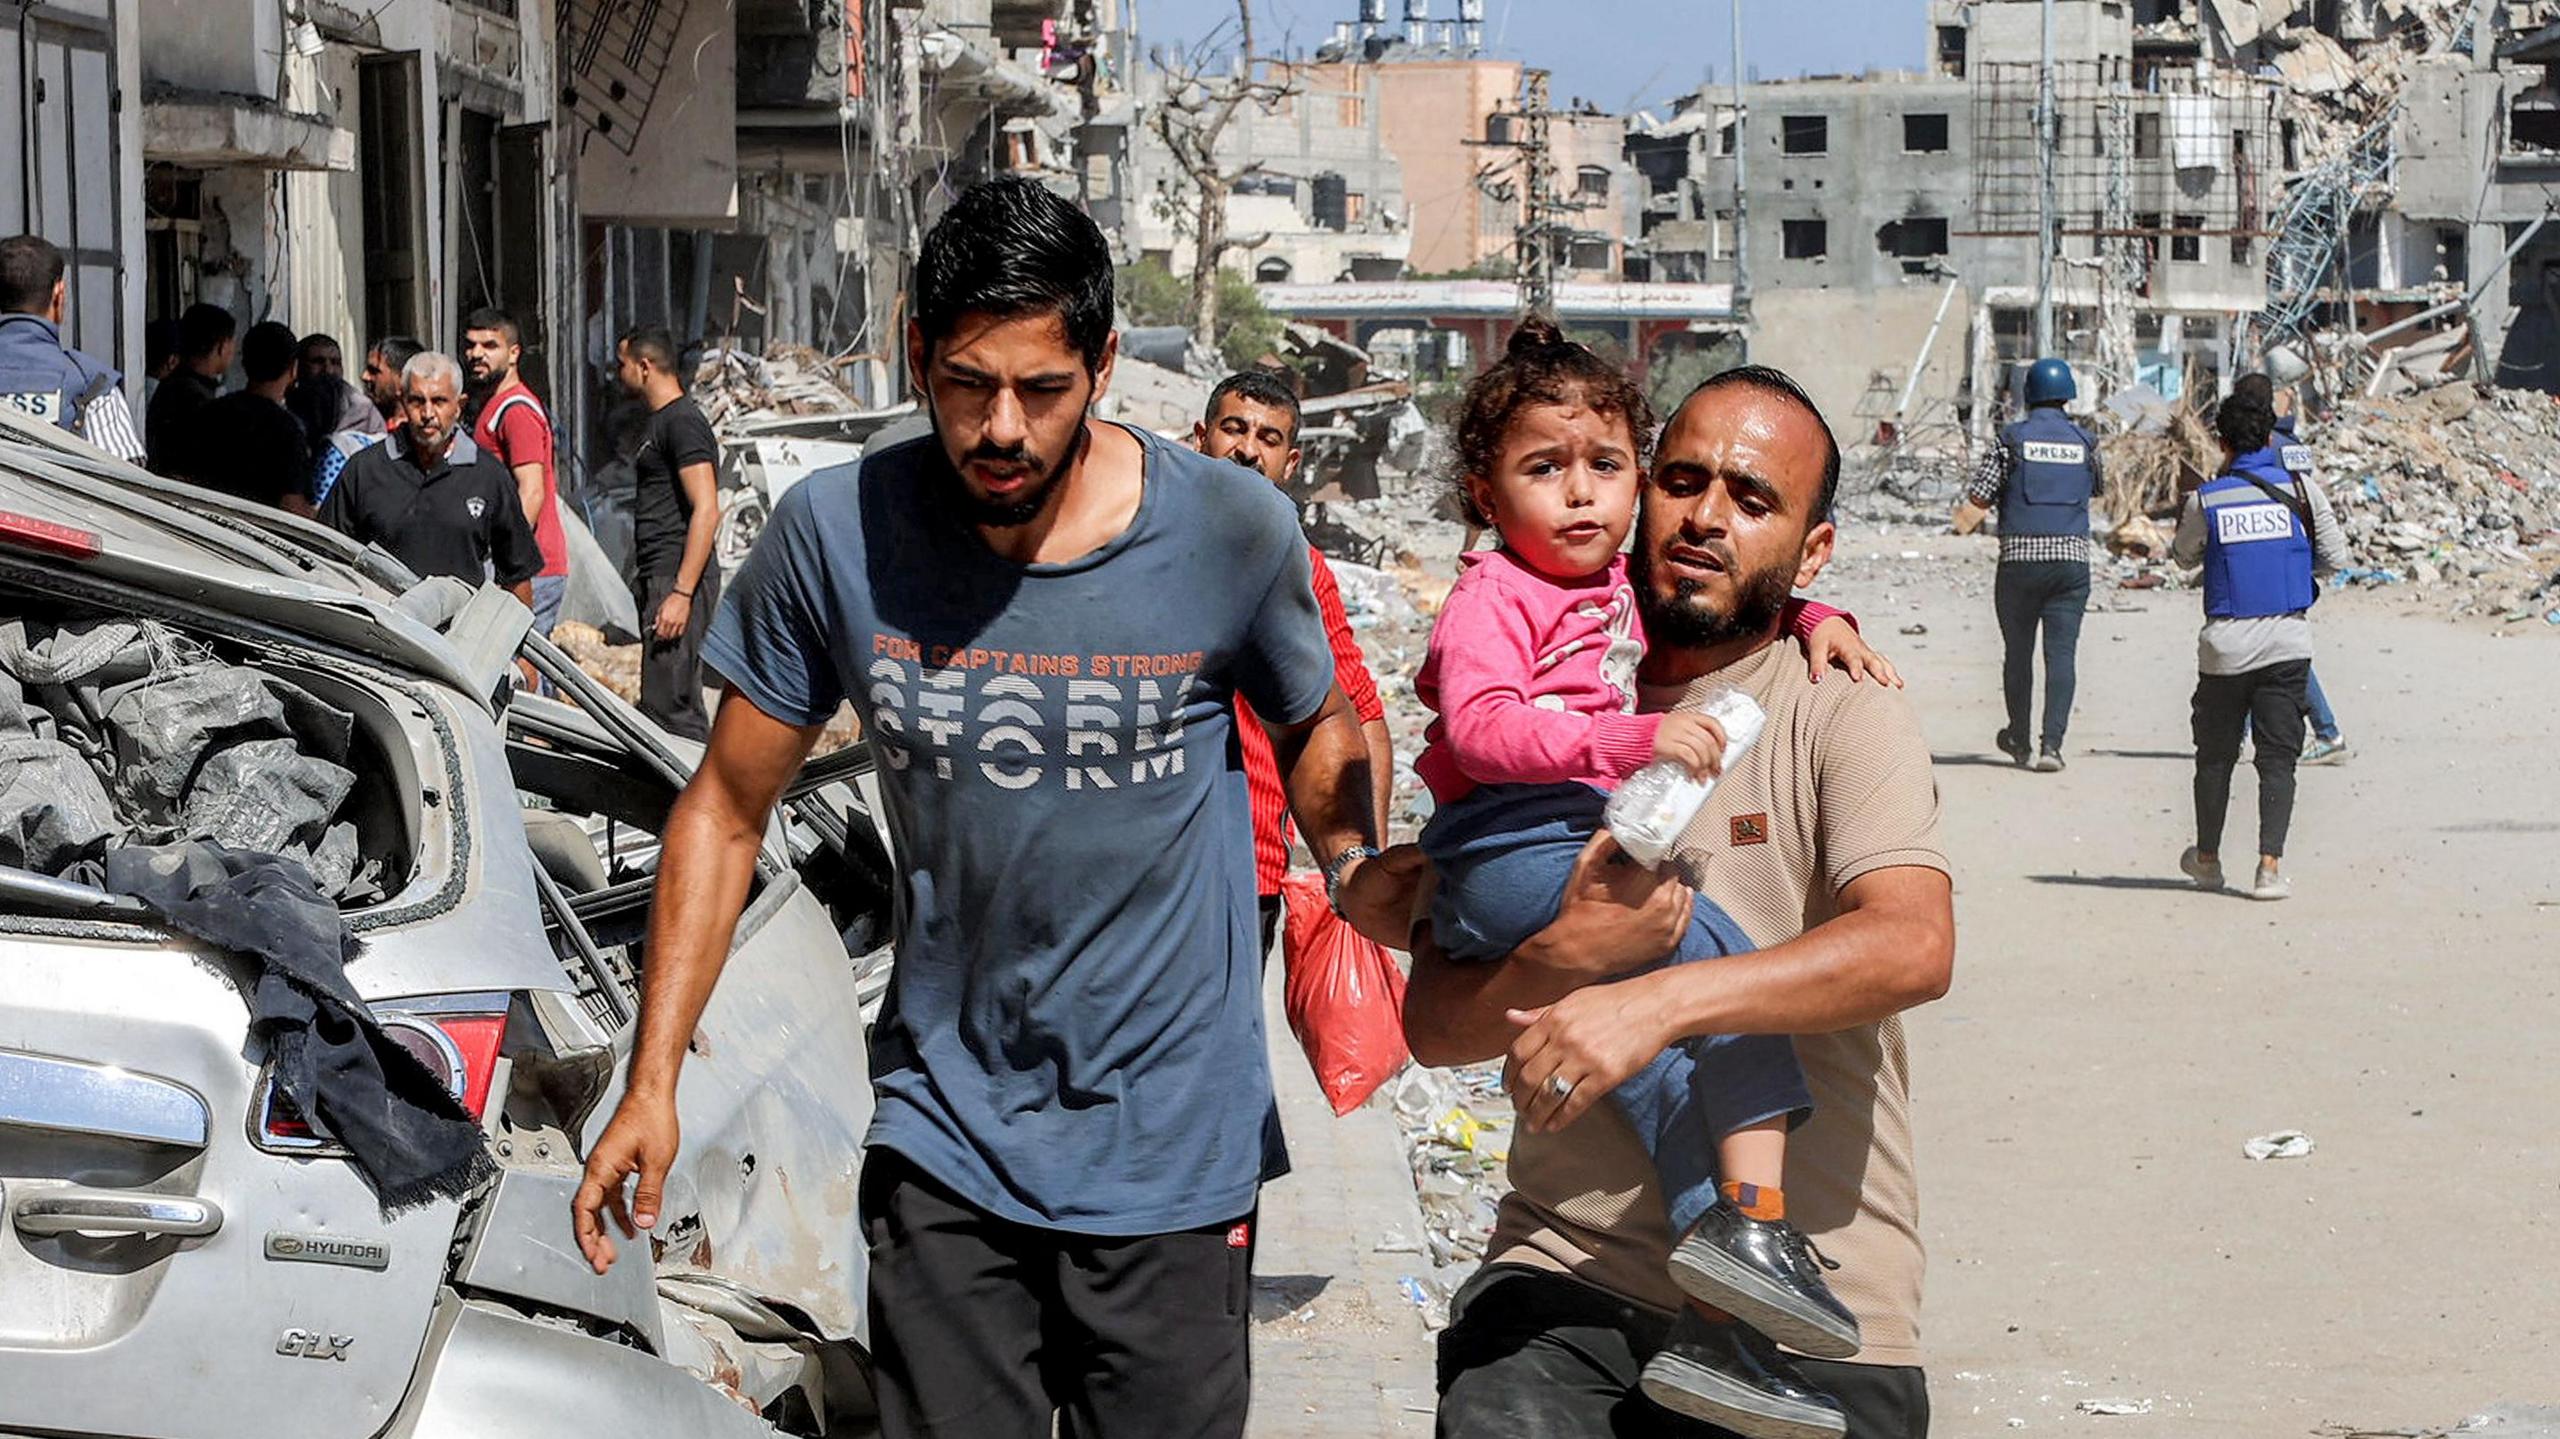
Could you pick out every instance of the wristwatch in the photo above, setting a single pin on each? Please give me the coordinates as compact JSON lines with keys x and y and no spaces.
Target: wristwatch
{"x":1333,"y":872}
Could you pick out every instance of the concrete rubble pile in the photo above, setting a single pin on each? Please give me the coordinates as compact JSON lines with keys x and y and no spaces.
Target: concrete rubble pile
{"x":2456,"y":492}
{"x":733,"y":386}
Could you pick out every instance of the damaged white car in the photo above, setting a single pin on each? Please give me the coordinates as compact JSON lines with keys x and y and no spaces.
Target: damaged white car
{"x":299,"y":886}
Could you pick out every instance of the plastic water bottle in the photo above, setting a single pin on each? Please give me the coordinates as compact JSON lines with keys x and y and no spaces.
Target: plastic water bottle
{"x":1653,"y":806}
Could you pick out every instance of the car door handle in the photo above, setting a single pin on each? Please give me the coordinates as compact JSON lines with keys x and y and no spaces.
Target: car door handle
{"x":116,"y":1211}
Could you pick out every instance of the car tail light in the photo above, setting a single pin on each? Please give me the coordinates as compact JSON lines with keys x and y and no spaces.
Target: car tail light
{"x":26,"y":532}
{"x":458,"y":1040}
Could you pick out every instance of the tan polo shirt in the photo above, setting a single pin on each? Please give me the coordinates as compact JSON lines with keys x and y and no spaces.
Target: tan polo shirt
{"x":1838,"y":786}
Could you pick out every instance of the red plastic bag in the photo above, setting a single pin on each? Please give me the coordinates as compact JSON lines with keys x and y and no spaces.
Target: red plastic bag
{"x":1345,"y":996}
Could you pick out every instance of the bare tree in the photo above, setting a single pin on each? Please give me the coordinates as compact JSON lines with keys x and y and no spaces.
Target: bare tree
{"x":1192,"y":118}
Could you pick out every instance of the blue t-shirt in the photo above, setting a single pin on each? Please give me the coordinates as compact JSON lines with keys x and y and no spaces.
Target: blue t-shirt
{"x":1073,"y":1034}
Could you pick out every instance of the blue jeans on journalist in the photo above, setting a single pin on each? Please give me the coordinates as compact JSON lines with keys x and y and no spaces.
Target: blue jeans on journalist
{"x":1503,"y":855}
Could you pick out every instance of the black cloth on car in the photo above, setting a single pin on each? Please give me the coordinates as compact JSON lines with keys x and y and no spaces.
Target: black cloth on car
{"x":459,"y":517}
{"x":406,"y":1133}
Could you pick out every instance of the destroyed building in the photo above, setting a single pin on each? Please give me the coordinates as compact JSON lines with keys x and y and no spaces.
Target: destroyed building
{"x":1878,"y":222}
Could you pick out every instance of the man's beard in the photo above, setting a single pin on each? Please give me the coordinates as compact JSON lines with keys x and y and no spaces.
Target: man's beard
{"x":1012,"y":514}
{"x":1682,"y":618}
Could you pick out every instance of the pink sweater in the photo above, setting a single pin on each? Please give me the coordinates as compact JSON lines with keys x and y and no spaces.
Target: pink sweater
{"x":1534,"y":678}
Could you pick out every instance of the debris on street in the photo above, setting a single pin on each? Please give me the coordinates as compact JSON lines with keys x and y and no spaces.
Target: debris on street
{"x":2283,"y":1144}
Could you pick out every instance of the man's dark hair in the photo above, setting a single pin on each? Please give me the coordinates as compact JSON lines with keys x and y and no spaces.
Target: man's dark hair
{"x":1778,"y":382}
{"x":2244,"y":422}
{"x":2255,"y":388}
{"x":30,"y":267}
{"x":267,"y":351}
{"x":1261,"y":385}
{"x":490,"y":317}
{"x":202,"y":329}
{"x":1009,"y":247}
{"x":397,"y":351}
{"x":1540,"y":367}
{"x":654,"y":343}
{"x":316,"y":341}
{"x":159,"y":344}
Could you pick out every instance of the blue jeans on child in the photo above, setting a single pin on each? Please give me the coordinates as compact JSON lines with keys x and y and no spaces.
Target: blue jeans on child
{"x":1503,"y":854}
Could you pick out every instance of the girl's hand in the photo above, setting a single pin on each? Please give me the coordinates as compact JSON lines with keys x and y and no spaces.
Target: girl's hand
{"x":1691,"y":740}
{"x":1837,"y":642}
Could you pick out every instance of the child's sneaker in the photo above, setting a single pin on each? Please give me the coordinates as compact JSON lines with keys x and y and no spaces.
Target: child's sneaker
{"x":1724,"y":1374}
{"x":1765,"y":1273}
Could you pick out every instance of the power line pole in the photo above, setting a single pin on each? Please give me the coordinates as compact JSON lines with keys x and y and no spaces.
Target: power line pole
{"x":1545,"y":215}
{"x":1741,"y":225}
{"x":2045,"y":216}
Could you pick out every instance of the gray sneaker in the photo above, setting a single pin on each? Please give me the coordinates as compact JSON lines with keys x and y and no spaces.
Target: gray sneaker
{"x":2271,"y":885}
{"x":2049,"y":762}
{"x":2325,"y":751}
{"x":2207,"y":873}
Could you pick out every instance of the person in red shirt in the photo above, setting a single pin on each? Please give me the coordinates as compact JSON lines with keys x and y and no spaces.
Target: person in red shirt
{"x":513,"y":426}
{"x":1253,"y":420}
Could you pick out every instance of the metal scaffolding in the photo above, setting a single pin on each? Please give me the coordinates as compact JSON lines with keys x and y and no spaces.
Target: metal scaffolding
{"x":2310,"y":243}
{"x":2135,"y":154}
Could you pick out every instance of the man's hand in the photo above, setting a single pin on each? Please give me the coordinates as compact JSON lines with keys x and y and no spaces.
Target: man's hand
{"x":674,"y":613}
{"x":1571,"y":1053}
{"x":640,"y":1139}
{"x":1835,"y":641}
{"x":1376,"y":895}
{"x":1968,"y":517}
{"x":1616,"y":916}
{"x":1692,"y":741}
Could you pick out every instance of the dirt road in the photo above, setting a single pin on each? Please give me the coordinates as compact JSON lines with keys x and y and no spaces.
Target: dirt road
{"x":2114,"y":1037}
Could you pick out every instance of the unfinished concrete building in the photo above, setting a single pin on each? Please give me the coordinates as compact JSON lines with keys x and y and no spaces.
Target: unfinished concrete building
{"x":1871,"y":219}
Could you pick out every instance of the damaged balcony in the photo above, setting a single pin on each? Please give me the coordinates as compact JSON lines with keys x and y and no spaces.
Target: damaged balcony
{"x":208,"y":131}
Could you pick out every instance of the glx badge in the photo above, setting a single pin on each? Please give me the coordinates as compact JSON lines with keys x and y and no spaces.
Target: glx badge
{"x":309,"y":1344}
{"x":327,"y":1249}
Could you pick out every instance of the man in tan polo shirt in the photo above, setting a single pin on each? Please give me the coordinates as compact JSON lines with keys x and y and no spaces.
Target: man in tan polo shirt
{"x":1822,"y":843}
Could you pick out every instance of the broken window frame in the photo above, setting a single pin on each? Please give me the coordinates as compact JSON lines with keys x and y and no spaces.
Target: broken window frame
{"x":2186,"y":239}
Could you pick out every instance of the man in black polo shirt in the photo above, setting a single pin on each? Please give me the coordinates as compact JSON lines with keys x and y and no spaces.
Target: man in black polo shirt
{"x":432,"y":497}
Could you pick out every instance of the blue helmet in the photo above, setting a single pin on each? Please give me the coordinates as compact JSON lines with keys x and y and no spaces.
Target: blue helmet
{"x":2049,"y":382}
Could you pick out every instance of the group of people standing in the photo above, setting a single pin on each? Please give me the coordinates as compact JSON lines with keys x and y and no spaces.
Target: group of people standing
{"x":2262,"y":532}
{"x":451,"y":466}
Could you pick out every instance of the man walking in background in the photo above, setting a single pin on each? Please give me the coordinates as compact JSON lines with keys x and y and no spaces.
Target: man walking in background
{"x":1252,"y":420}
{"x":674,"y":518}
{"x":512,"y":426}
{"x":40,"y":377}
{"x":2264,"y":537}
{"x":430,"y":496}
{"x":207,"y":337}
{"x":247,"y":444}
{"x":2039,"y":478}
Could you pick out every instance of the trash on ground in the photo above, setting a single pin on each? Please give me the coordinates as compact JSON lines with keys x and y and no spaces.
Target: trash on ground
{"x":2283,"y":1144}
{"x":2113,"y":1406}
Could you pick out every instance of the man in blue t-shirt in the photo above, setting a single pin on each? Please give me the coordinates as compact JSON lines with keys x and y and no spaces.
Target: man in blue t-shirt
{"x":1045,"y":622}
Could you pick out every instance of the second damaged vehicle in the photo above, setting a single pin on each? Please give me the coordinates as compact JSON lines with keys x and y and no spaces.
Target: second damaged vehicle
{"x":318,"y":955}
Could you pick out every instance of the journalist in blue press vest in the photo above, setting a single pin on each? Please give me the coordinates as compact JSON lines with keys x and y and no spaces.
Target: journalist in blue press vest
{"x":40,"y":377}
{"x":2263,"y":535}
{"x":2039,"y":480}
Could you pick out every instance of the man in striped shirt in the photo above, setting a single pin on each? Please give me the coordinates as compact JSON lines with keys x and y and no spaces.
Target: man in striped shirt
{"x":1253,"y":420}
